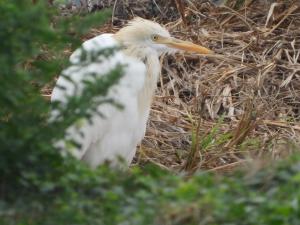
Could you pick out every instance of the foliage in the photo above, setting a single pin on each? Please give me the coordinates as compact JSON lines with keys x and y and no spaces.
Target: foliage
{"x":31,"y":54}
{"x":39,"y":186}
{"x":152,"y":196}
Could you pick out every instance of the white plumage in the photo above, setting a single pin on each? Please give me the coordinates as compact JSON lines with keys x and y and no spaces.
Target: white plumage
{"x":120,"y":131}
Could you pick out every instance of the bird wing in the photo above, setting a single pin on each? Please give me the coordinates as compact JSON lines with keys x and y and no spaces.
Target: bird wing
{"x":112,"y":134}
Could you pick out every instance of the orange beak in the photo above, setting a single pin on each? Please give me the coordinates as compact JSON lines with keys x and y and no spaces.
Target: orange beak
{"x":184,"y":45}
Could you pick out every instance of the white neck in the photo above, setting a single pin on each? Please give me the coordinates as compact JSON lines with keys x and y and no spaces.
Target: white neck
{"x":153,"y":68}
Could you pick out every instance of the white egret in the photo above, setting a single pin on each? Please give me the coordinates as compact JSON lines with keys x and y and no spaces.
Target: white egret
{"x":141,"y":43}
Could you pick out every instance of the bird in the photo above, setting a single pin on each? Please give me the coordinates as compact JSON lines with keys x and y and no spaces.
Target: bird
{"x":116,"y":134}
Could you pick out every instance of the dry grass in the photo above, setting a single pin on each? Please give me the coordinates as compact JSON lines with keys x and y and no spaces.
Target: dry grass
{"x":254,"y":86}
{"x":218,"y":112}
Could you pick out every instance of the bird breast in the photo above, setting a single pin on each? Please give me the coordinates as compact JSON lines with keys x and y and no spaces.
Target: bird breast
{"x":146,"y":94}
{"x":151,"y":60}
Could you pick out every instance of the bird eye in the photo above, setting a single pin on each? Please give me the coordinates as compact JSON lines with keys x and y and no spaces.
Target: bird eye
{"x":155,"y":37}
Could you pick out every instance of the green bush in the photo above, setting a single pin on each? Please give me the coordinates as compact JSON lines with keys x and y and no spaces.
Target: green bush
{"x":39,"y":186}
{"x":32,"y":39}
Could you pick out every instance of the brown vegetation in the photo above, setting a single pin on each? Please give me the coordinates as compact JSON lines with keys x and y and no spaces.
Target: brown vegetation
{"x":221,"y":111}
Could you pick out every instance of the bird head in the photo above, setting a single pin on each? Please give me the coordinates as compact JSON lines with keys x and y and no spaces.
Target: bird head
{"x":146,"y":34}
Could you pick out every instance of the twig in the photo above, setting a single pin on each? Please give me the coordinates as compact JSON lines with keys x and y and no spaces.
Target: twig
{"x":286,"y":15}
{"x":228,"y":165}
{"x":113,"y":12}
{"x":181,"y":8}
{"x":281,"y":124}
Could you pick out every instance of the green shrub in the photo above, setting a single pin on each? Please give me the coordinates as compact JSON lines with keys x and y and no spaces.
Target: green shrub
{"x":32,"y":39}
